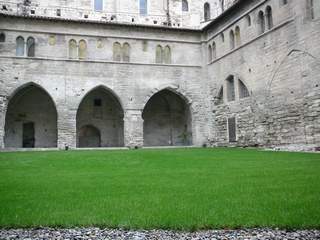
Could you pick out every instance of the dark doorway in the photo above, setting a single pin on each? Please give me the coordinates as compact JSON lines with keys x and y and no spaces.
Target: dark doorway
{"x":89,"y":137}
{"x":28,"y":135}
{"x":232,"y":129}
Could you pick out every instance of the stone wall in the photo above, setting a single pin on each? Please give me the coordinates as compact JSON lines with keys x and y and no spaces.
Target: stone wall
{"x":280,"y":68}
{"x":121,"y":11}
{"x":68,"y":81}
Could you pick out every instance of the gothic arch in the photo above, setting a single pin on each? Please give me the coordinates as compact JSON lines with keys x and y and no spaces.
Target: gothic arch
{"x":295,"y":57}
{"x":30,"y":104}
{"x":167,"y":119}
{"x":222,"y":89}
{"x":173,"y":88}
{"x":295,"y":89}
{"x":107,"y":89}
{"x":12,"y":93}
{"x":102,"y":108}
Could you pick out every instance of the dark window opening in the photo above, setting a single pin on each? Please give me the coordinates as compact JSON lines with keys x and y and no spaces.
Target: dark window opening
{"x":97,"y":102}
{"x":243,"y":90}
{"x":28,"y":136}
{"x":219,"y":98}
{"x":30,"y":47}
{"x":185,"y":6}
{"x":231,"y":96}
{"x":249,"y":20}
{"x":206,"y":12}
{"x":261,"y":22}
{"x":2,"y":37}
{"x":269,"y":17}
{"x":232,"y":41}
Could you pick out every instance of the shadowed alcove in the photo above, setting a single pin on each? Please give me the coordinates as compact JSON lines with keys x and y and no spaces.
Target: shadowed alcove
{"x":167,"y":120}
{"x":31,"y":119}
{"x":100,"y":120}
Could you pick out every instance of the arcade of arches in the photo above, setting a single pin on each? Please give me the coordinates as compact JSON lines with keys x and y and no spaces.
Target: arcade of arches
{"x":31,"y":120}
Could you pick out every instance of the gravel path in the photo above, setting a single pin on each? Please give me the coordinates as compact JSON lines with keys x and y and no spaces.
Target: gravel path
{"x":96,"y":233}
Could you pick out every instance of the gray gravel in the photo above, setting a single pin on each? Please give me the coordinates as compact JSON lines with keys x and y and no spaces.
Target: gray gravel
{"x":96,"y":233}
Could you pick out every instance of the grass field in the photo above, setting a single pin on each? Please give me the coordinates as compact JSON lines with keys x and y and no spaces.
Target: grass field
{"x":175,"y":188}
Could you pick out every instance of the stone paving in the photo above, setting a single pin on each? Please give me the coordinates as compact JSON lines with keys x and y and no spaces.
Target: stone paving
{"x":96,"y":233}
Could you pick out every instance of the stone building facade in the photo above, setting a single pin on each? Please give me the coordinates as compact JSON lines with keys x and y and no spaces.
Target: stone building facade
{"x":249,"y":75}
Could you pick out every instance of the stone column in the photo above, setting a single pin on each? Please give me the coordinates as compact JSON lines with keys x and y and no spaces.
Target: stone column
{"x":133,"y":128}
{"x":3,"y":107}
{"x":67,"y":128}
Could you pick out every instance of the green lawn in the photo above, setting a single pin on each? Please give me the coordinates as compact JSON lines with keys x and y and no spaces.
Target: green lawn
{"x":174,"y":188}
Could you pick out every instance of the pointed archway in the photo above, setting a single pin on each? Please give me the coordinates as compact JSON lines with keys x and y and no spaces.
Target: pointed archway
{"x":167,"y":120}
{"x":31,"y":119}
{"x":89,"y":136}
{"x":100,"y":120}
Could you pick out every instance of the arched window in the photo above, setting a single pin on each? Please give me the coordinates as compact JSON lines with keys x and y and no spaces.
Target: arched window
{"x":20,"y":46}
{"x":117,"y":52}
{"x":243,"y":90}
{"x":248,"y":20}
{"x":185,"y":6}
{"x":209,"y":54}
{"x":232,"y":43}
{"x":126,"y":52}
{"x":159,"y":54}
{"x":73,"y":52}
{"x":238,"y":36}
{"x":30,"y":47}
{"x":269,"y":17}
{"x":222,"y":37}
{"x":2,"y":37}
{"x":261,"y":22}
{"x":214,"y":51}
{"x":231,"y":95}
{"x":310,"y":7}
{"x":143,"y":6}
{"x":82,"y":49}
{"x":219,"y":98}
{"x":315,"y":9}
{"x":206,"y":9}
{"x":98,"y":5}
{"x":167,"y":55}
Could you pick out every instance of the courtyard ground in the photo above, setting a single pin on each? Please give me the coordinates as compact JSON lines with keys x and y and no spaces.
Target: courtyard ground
{"x":165,"y":189}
